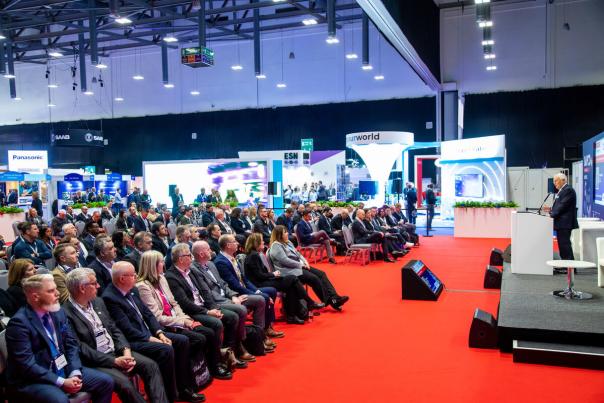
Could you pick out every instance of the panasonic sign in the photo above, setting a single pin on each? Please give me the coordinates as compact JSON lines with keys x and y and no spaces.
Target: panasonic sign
{"x":32,"y":161}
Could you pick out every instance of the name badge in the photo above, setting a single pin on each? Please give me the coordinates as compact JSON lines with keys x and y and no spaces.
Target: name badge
{"x":101,"y":341}
{"x":61,"y":362}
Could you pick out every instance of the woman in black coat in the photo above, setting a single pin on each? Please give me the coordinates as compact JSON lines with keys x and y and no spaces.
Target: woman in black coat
{"x":261,"y":276}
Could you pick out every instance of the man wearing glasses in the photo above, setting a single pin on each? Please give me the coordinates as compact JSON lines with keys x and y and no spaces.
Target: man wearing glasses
{"x":103,"y":346}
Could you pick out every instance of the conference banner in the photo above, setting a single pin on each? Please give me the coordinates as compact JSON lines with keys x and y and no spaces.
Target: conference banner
{"x":78,"y":138}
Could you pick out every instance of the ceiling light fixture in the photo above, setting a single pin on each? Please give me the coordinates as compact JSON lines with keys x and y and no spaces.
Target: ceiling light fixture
{"x":489,"y":56}
{"x":491,"y":68}
{"x":2,"y":37}
{"x":352,"y":56}
{"x":170,"y":38}
{"x":138,"y":77}
{"x":168,"y":85}
{"x":367,"y":67}
{"x":488,"y":42}
{"x":9,"y":75}
{"x":101,"y":66}
{"x":194,"y":93}
{"x":260,"y":76}
{"x":118,"y":99}
{"x":17,"y":99}
{"x":485,"y":24}
{"x":481,"y":1}
{"x":88,"y":93}
{"x":378,"y":77}
{"x":281,"y":85}
{"x":332,"y":40}
{"x":53,"y":85}
{"x":51,"y":105}
{"x":55,"y":53}
{"x":309,"y":21}
{"x":236,"y":67}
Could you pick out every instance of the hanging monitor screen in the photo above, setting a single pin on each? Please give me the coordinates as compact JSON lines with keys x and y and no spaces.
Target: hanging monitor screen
{"x":197,"y":57}
{"x":469,"y":185}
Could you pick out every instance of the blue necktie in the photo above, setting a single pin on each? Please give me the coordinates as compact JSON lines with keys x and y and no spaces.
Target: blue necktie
{"x":53,"y":348}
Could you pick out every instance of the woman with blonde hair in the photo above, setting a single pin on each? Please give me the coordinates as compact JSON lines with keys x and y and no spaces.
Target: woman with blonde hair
{"x":156,"y":295}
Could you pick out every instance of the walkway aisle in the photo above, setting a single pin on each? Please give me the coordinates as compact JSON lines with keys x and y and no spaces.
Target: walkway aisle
{"x":383,"y":349}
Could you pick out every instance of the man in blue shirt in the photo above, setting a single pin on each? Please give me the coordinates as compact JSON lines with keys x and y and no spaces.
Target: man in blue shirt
{"x":32,"y":248}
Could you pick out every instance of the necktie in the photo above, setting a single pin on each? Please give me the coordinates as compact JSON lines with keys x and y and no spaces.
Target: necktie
{"x":53,"y":347}
{"x":140,"y":315}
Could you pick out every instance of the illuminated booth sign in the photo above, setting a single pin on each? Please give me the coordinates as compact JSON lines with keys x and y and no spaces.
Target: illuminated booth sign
{"x":29,"y":161}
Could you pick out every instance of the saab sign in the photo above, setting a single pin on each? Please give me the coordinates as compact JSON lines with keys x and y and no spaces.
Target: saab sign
{"x":78,"y":138}
{"x":33,"y":162}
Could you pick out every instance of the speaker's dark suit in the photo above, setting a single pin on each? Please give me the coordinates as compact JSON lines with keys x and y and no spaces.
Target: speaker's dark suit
{"x":145,"y":367}
{"x":564,"y":213}
{"x":30,"y":368}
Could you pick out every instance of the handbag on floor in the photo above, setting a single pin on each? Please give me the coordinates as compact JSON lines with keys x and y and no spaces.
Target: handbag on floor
{"x":200,"y":371}
{"x":254,"y":340}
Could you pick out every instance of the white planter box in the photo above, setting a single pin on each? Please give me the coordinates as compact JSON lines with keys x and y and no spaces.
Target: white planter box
{"x":6,"y":225}
{"x":483,"y":222}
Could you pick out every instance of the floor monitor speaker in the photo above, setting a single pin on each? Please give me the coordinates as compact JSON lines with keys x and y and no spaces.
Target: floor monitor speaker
{"x":496,"y":258}
{"x":483,"y":332}
{"x":492,"y":277}
{"x":419,"y":282}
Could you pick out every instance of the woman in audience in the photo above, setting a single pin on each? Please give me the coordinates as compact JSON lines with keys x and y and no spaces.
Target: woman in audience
{"x":121,"y":223}
{"x":271,"y":220}
{"x":253,"y":214}
{"x":155,"y":293}
{"x":121,"y":241}
{"x":257,"y":270}
{"x":47,"y":238}
{"x":17,"y":271}
{"x":213,"y":236}
{"x":288,"y":260}
{"x":237,"y":223}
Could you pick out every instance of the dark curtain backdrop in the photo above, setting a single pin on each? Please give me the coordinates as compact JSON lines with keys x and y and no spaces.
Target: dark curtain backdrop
{"x":538,"y":124}
{"x":223,"y":134}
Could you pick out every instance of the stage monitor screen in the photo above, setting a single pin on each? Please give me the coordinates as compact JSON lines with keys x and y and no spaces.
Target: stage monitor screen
{"x":599,"y":172}
{"x":368,"y":188}
{"x":247,"y":180}
{"x":469,"y":185}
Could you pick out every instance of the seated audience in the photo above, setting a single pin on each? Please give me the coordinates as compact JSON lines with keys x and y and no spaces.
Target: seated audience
{"x":105,"y":254}
{"x":18,"y":270}
{"x":122,"y":242}
{"x":160,"y":238}
{"x":46,"y":237}
{"x":307,"y":236}
{"x":34,"y":218}
{"x":103,"y":346}
{"x":155,"y":293}
{"x":66,"y":258}
{"x":362,"y":235}
{"x":31,"y":247}
{"x":121,"y":224}
{"x":44,"y":361}
{"x":58,"y":222}
{"x":195,"y":299}
{"x":83,"y":216}
{"x":340,"y":220}
{"x":259,"y":271}
{"x":142,"y":242}
{"x":170,"y":351}
{"x":262,"y":224}
{"x":285,"y":258}
{"x":213,"y":237}
{"x":239,"y":225}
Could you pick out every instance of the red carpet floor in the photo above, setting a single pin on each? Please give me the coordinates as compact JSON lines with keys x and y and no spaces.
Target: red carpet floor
{"x":383,"y":349}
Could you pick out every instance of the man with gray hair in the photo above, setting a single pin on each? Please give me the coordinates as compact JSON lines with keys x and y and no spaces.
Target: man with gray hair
{"x":58,"y":222}
{"x":103,"y":346}
{"x":44,"y":363}
{"x":143,"y":241}
{"x":105,"y":254}
{"x":564,"y":213}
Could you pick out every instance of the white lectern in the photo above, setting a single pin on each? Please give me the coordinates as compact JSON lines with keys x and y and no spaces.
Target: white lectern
{"x":532,"y":243}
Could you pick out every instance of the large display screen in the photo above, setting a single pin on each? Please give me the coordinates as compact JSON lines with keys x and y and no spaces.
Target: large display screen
{"x":599,"y":172}
{"x":368,"y":188}
{"x":469,"y":185}
{"x":247,"y":179}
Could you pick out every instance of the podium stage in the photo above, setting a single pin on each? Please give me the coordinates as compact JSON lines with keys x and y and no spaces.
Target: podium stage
{"x":528,"y":311}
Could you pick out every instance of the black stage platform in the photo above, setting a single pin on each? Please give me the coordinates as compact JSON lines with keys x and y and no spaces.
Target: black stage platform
{"x":528,"y":311}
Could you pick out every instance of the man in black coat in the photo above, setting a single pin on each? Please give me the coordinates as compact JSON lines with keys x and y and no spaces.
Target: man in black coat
{"x":564,"y":213}
{"x":103,"y":346}
{"x":104,"y":252}
{"x":160,"y":238}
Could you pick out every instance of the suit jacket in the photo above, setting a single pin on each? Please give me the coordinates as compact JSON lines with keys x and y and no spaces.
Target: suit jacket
{"x":84,"y":332}
{"x":88,"y":242}
{"x":285,"y":259}
{"x":126,"y":317}
{"x":223,"y":228}
{"x":564,"y":209}
{"x":13,"y":198}
{"x":184,"y":295}
{"x":228,"y":274}
{"x":25,"y":250}
{"x":30,"y":359}
{"x":286,"y":222}
{"x":103,"y":277}
{"x":133,"y":257}
{"x":159,"y":245}
{"x":360,"y":232}
{"x":184,"y":220}
{"x":325,"y":225}
{"x":152,"y":300}
{"x":138,"y":223}
{"x":262,"y":228}
{"x":255,"y":269}
{"x":215,"y":286}
{"x":207,"y":218}
{"x":337,"y":222}
{"x":239,"y":226}
{"x":82,"y":217}
{"x":106,"y":215}
{"x":304,"y":231}
{"x":430,"y":197}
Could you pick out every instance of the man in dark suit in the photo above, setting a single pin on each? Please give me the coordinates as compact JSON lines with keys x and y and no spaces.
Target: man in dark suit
{"x":105,"y":255}
{"x":308,"y":237}
{"x":142,"y":242}
{"x":83,"y":216}
{"x":103,"y":346}
{"x":564,"y":213}
{"x":91,"y":231}
{"x":165,"y":217}
{"x":169,"y":350}
{"x":341,"y":219}
{"x":324,"y":224}
{"x":430,"y":204}
{"x":285,"y":219}
{"x":44,"y":363}
{"x":363,"y":235}
{"x":140,"y":222}
{"x":262,"y":226}
{"x":159,"y":238}
{"x":195,"y":299}
{"x":13,"y":198}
